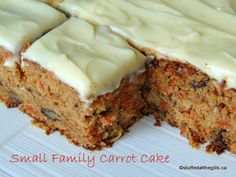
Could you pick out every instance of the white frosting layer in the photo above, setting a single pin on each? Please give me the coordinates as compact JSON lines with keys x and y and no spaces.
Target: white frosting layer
{"x":25,"y":20}
{"x":201,"y":32}
{"x":91,"y":59}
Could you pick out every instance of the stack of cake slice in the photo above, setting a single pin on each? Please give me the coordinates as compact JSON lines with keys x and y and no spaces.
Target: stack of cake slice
{"x":191,"y":82}
{"x":84,"y":79}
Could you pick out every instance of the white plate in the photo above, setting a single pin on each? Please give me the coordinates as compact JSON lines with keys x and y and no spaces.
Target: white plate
{"x":19,"y":137}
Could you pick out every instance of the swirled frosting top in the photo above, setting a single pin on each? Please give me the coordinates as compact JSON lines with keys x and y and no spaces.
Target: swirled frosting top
{"x":200,"y":32}
{"x":25,"y":20}
{"x":91,"y":59}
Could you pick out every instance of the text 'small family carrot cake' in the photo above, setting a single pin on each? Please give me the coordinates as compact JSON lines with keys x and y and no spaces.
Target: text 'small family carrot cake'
{"x":113,"y":61}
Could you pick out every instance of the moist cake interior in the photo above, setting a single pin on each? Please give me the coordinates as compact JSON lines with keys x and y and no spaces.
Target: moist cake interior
{"x":168,"y":59}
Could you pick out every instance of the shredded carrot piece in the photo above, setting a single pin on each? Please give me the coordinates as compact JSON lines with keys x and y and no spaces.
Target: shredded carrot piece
{"x":164,"y":106}
{"x":53,"y":77}
{"x":170,"y":70}
{"x":232,"y":109}
{"x":223,"y":123}
{"x":190,"y":116}
{"x":179,"y":96}
{"x":29,"y":107}
{"x":203,"y":133}
{"x":106,"y":121}
{"x":41,"y":85}
{"x":128,"y":105}
{"x":164,"y":90}
{"x":173,"y":82}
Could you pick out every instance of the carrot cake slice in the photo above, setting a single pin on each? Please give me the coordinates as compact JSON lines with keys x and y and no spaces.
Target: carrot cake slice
{"x":86,"y":82}
{"x":20,"y":24}
{"x":191,"y":82}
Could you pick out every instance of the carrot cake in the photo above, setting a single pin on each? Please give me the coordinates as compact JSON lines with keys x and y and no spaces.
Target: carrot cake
{"x":86,"y":82}
{"x":94,"y":76}
{"x":191,"y":81}
{"x":20,"y":24}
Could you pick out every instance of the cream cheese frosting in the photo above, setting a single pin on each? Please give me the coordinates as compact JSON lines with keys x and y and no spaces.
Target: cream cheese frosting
{"x":25,"y":20}
{"x":91,"y":59}
{"x":200,"y":32}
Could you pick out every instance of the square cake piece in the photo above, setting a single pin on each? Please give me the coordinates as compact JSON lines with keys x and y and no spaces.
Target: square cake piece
{"x":191,"y":83}
{"x":20,"y":24}
{"x":86,"y":82}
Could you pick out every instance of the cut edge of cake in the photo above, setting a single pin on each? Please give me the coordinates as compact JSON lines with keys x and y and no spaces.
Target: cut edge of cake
{"x":56,"y":104}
